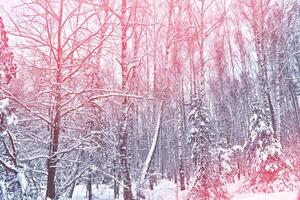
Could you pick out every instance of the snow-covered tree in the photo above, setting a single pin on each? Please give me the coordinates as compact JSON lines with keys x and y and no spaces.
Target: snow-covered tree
{"x":269,"y":171}
{"x":230,"y":159}
{"x":207,"y":184}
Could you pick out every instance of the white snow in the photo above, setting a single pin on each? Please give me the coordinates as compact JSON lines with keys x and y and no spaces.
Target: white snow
{"x":168,"y":190}
{"x":4,"y":103}
{"x":193,"y":130}
{"x":22,"y":180}
{"x":12,"y":119}
{"x":101,"y":192}
{"x":237,"y":148}
{"x":226,"y":167}
{"x":236,"y":195}
{"x":165,"y":190}
{"x":271,"y":196}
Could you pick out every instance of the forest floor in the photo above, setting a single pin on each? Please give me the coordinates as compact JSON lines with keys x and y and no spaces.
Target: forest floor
{"x":235,"y":195}
{"x":167,"y":190}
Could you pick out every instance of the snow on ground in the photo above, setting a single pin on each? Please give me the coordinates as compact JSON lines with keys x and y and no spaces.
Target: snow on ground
{"x":167,"y":190}
{"x":235,"y":195}
{"x":271,"y":196}
{"x":100,"y":192}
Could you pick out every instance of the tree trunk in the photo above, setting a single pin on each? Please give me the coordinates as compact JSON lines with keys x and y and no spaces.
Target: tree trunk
{"x":89,"y":188}
{"x":116,"y":184}
{"x":52,"y":161}
{"x":123,"y":135}
{"x":153,"y":148}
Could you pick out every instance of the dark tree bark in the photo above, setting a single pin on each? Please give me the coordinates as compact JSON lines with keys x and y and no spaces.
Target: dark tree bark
{"x":51,"y":163}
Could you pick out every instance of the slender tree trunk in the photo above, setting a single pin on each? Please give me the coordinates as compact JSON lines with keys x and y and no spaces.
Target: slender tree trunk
{"x":52,"y":161}
{"x":153,"y":149}
{"x":180,"y":126}
{"x":181,"y":138}
{"x":278,"y":100}
{"x":75,"y":171}
{"x":71,"y":191}
{"x":89,"y":188}
{"x":123,"y":135}
{"x":162,"y":157}
{"x":116,"y":184}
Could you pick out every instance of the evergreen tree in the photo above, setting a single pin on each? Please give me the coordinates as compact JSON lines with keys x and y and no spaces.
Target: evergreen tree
{"x":269,"y":172}
{"x":207,"y":183}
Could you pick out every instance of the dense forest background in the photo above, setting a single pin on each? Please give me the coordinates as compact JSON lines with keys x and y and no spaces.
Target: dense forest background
{"x":129,"y":92}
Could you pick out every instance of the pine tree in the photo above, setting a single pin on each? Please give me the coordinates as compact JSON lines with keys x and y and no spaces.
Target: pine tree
{"x":269,"y":172}
{"x":207,"y":183}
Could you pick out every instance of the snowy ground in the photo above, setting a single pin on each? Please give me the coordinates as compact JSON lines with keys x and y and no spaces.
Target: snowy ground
{"x":166,"y":190}
{"x":273,"y":196}
{"x":233,"y":188}
{"x":100,"y":192}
